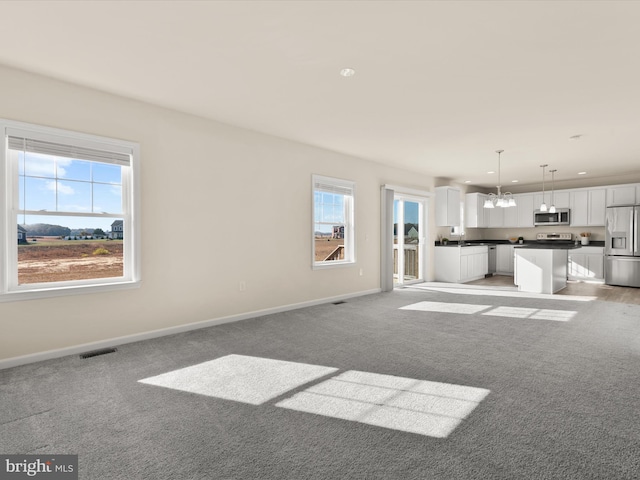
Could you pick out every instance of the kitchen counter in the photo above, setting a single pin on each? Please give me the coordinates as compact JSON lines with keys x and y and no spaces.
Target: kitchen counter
{"x":548,"y":246}
{"x":541,"y":270}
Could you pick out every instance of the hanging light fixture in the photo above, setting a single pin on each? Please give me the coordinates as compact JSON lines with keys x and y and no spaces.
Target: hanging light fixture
{"x":500,"y":199}
{"x":543,"y":206}
{"x":552,"y":208}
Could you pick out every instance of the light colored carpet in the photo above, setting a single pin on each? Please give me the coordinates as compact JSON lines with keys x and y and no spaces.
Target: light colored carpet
{"x":563,"y":403}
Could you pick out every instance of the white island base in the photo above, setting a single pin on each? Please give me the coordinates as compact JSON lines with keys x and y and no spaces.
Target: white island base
{"x":540,"y":270}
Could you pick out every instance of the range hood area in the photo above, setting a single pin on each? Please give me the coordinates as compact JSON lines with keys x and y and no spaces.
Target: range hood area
{"x":561,"y":216}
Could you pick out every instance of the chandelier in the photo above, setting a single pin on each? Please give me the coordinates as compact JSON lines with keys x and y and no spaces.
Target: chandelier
{"x":500,"y":199}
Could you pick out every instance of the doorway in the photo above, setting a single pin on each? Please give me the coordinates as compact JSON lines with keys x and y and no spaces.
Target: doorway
{"x":408,"y":239}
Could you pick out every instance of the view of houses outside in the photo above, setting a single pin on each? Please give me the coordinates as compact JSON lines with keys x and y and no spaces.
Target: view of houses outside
{"x":52,"y":253}
{"x":329,"y":230}
{"x":67,"y":230}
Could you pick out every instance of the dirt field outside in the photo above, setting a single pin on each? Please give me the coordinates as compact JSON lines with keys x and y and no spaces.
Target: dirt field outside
{"x":50,"y":259}
{"x":324,"y":246}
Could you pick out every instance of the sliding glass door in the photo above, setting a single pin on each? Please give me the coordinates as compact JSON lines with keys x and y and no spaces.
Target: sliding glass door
{"x":408,"y":240}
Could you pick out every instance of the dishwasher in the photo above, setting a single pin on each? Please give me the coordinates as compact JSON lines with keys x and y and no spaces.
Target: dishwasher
{"x":492,"y":260}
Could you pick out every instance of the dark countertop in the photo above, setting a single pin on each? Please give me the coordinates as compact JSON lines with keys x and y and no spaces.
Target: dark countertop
{"x":526,"y":244}
{"x":548,"y":246}
{"x":475,"y":243}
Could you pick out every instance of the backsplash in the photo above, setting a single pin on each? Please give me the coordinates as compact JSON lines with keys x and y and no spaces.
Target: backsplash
{"x":597,"y":233}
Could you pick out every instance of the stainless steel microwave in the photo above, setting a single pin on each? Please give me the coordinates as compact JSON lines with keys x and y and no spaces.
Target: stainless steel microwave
{"x":560,"y":217}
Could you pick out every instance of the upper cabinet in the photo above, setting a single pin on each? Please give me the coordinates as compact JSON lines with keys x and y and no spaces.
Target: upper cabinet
{"x":597,"y":207}
{"x":525,"y":210}
{"x":588,"y":207}
{"x":560,"y":199}
{"x":447,"y":206}
{"x":496,"y":217}
{"x":510,"y":215}
{"x":623,"y":195}
{"x":475,"y":215}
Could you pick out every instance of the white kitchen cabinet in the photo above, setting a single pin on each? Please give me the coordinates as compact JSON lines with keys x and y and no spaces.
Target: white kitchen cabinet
{"x":586,"y":263}
{"x":510,"y":216}
{"x":541,"y":270}
{"x":561,"y":199}
{"x":496,"y":217}
{"x":447,"y":207}
{"x":579,"y":208}
{"x":622,"y":195}
{"x":475,"y":215}
{"x":461,"y":264}
{"x":588,"y":207}
{"x":525,"y":210}
{"x":504,"y":259}
{"x":597,"y":207}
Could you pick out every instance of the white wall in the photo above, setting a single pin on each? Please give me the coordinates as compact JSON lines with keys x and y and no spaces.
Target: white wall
{"x":220,"y":205}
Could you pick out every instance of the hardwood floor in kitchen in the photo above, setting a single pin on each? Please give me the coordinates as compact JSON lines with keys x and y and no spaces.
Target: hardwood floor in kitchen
{"x":607,"y":293}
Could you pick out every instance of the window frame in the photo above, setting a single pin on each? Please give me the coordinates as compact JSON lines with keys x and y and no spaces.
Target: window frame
{"x":10,"y":290}
{"x":349,"y":223}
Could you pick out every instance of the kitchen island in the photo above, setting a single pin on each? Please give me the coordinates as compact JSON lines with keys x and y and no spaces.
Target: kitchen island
{"x":541,"y":268}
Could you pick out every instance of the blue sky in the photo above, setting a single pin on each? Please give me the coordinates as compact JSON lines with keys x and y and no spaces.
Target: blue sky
{"x":329,"y":208}
{"x":411,"y":212}
{"x":67,"y":185}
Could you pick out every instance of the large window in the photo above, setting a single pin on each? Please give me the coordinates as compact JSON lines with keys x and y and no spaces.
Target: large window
{"x":333,"y":229}
{"x":69,"y":213}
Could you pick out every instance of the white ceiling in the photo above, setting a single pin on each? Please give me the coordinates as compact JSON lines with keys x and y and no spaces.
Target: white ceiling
{"x":439,"y":86}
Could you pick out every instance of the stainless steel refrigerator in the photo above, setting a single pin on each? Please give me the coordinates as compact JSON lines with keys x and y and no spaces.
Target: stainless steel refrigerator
{"x":622,"y":254}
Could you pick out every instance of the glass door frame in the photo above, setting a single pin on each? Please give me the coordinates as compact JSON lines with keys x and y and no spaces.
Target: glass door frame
{"x":399,"y":276}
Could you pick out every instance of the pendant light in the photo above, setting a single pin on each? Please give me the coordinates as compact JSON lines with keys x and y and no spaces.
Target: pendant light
{"x":552,"y":208}
{"x":543,"y":206}
{"x":500,"y":199}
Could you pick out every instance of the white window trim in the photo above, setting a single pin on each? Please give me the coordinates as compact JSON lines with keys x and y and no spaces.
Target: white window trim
{"x":350,"y":249}
{"x":8,"y":225}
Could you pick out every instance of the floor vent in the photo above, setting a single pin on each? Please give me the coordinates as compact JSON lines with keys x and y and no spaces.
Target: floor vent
{"x":339,"y":303}
{"x":95,"y":353}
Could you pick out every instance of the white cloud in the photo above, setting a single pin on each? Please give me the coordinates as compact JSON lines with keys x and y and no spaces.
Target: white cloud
{"x":43,"y":165}
{"x":59,"y":187}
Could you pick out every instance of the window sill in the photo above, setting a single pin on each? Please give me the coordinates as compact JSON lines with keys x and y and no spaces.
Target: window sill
{"x":34,"y":294}
{"x":323,"y":266}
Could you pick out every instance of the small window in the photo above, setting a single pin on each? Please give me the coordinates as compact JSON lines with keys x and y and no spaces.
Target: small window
{"x":459,"y":229}
{"x":70,"y":203}
{"x":333,"y":226}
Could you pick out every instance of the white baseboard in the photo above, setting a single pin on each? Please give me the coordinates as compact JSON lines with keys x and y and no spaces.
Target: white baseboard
{"x":85,"y":347}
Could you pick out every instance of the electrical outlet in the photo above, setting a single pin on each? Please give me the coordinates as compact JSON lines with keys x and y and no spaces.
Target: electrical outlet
{"x":361,"y":271}
{"x":242,"y":285}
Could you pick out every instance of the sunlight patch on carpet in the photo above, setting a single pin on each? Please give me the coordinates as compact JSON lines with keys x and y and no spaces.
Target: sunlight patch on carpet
{"x":459,"y":289}
{"x":512,"y":312}
{"x":533,"y":313}
{"x":241,"y":378}
{"x":426,"y":408}
{"x":446,"y":307}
